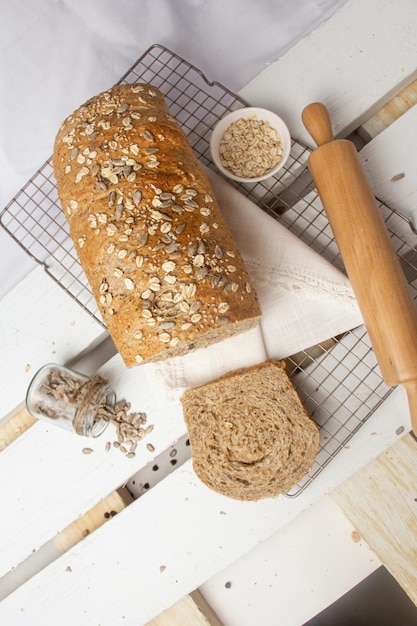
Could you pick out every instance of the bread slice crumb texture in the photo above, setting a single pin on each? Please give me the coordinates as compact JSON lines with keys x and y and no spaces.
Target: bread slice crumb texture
{"x":250,"y":435}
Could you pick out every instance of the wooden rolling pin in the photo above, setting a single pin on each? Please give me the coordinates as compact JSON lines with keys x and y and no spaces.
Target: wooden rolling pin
{"x":371,"y":262}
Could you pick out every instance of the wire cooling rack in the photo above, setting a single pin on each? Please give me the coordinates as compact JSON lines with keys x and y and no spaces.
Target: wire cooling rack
{"x":338,"y":381}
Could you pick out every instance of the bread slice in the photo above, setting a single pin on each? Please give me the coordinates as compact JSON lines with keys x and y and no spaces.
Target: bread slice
{"x":250,"y":435}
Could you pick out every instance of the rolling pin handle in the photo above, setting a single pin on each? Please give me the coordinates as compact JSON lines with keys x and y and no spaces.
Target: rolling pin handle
{"x":316,"y":120}
{"x":411,"y":389}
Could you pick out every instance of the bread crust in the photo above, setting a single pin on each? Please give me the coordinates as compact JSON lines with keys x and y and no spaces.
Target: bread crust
{"x":161,"y":262}
{"x":250,"y":435}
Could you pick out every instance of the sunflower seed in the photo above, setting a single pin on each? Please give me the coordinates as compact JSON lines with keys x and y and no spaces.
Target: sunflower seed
{"x":166,"y":325}
{"x":111,"y":198}
{"x":201,"y":248}
{"x":201,"y":273}
{"x":195,"y":306}
{"x":218,"y":252}
{"x":148,"y":135}
{"x":143,"y":238}
{"x":102,"y":187}
{"x":137,"y":197}
{"x":172,"y":247}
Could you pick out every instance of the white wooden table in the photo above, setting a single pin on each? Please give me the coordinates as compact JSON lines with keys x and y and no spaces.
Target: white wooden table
{"x":66,"y":558}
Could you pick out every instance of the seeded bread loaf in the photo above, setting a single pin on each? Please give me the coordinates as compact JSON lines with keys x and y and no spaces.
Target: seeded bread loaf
{"x":158,"y":255}
{"x":250,"y":435}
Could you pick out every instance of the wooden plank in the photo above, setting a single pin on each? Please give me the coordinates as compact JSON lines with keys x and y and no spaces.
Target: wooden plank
{"x":380,"y":501}
{"x":101,"y":513}
{"x":75,"y":532}
{"x":353,"y":63}
{"x":192,"y":610}
{"x":389,"y":162}
{"x":295,"y":574}
{"x":390,"y":112}
{"x":15,"y":426}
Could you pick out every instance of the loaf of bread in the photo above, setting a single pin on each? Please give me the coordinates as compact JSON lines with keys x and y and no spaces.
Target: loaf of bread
{"x":158,"y":255}
{"x":250,"y":435}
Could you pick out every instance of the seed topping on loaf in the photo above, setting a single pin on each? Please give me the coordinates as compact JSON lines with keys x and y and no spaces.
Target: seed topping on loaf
{"x":146,"y":226}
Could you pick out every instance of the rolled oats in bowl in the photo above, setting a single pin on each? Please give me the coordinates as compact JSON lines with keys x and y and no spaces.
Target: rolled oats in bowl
{"x":250,"y":144}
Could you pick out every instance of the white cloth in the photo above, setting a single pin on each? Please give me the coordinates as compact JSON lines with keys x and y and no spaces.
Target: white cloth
{"x":169,"y":379}
{"x":304,"y":300}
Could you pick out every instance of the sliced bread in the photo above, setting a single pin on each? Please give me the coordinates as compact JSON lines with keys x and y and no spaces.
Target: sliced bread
{"x":250,"y":435}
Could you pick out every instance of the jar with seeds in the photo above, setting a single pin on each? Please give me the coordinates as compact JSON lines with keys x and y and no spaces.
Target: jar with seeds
{"x":71,"y":400}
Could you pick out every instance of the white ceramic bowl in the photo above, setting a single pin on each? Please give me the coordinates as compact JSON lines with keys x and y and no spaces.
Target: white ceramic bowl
{"x":262,"y":114}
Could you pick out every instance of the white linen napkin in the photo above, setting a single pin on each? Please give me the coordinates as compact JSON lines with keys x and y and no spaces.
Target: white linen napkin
{"x":304,"y":300}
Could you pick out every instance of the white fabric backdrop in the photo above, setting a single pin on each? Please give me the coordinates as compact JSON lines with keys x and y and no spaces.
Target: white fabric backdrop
{"x":54,"y":54}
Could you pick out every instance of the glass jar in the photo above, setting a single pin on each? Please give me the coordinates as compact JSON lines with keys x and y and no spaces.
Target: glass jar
{"x":71,"y":400}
